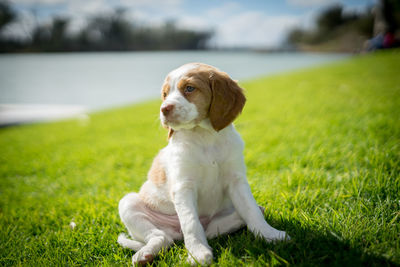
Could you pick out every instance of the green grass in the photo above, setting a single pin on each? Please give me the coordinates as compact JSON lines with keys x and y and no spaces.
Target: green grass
{"x":322,"y":151}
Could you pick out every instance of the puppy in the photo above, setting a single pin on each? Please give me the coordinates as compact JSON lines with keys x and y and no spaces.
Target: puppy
{"x":197,"y":186}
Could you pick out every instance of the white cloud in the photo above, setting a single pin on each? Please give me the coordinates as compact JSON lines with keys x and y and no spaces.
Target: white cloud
{"x":128,"y":3}
{"x":310,"y":3}
{"x":359,"y":9}
{"x":149,"y":3}
{"x":232,"y":24}
{"x":38,"y":2}
{"x":87,"y":7}
{"x":254,"y":29}
{"x":197,"y":23}
{"x":223,"y":10}
{"x":234,"y":27}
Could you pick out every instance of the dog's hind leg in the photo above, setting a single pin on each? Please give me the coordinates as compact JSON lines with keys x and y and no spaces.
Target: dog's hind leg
{"x":225,"y":223}
{"x":124,"y":241}
{"x":142,"y":230}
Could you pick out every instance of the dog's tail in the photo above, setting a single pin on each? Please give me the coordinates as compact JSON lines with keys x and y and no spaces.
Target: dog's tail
{"x":124,"y":241}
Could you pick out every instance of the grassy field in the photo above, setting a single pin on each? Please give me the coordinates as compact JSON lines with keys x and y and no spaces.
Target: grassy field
{"x":322,"y":151}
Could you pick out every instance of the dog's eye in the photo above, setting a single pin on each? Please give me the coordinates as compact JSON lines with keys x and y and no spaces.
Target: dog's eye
{"x":189,"y":89}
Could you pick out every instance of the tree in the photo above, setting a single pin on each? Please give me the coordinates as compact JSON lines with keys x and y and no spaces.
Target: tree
{"x":7,"y":15}
{"x":331,"y":18}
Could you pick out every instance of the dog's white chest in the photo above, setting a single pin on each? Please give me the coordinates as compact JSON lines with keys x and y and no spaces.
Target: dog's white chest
{"x":204,"y":162}
{"x":211,"y":184}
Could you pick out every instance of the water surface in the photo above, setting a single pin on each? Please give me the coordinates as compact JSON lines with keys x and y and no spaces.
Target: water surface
{"x":102,"y":80}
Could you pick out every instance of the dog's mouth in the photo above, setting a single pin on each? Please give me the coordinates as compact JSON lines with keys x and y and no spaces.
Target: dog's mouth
{"x":169,"y":121}
{"x":166,"y":120}
{"x":176,"y":123}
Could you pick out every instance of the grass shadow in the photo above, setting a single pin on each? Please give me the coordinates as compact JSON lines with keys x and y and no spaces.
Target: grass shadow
{"x":306,"y":247}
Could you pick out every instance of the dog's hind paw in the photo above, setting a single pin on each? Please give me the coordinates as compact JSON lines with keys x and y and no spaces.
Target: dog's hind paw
{"x":141,"y":259}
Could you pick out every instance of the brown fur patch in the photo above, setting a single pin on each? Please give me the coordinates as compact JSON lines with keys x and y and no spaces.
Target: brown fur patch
{"x":227,"y":100}
{"x":164,"y":93}
{"x":157,"y":173}
{"x":165,"y":89}
{"x":199,"y":78}
{"x":170,"y":132}
{"x":216,"y":95}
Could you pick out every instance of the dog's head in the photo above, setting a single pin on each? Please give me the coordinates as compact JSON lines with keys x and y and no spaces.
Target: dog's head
{"x":194,"y":92}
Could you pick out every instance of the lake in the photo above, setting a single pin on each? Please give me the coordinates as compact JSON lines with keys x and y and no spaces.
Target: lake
{"x":93,"y":81}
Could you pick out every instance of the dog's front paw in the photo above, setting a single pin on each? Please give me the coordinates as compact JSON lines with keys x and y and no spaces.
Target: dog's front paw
{"x":276,"y":235}
{"x":200,"y":255}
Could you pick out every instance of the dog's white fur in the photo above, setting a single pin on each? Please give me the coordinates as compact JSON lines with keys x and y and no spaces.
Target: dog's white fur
{"x":205,"y":192}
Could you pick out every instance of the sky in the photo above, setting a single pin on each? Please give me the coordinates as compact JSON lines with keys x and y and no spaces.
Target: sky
{"x":238,"y":23}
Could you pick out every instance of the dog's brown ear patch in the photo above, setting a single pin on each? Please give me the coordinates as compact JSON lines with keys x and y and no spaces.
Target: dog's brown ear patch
{"x":227,"y":100}
{"x":170,"y":132}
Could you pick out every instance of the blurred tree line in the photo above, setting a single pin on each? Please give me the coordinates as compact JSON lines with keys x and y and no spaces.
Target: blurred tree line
{"x":110,"y":32}
{"x":346,"y":31}
{"x":333,"y":25}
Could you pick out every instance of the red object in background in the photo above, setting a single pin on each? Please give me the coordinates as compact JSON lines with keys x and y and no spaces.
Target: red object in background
{"x":388,"y":40}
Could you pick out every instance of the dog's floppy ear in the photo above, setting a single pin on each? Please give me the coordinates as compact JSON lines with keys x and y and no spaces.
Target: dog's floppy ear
{"x":227,"y":100}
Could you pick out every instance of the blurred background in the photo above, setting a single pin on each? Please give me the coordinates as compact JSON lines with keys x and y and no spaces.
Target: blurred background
{"x":63,"y":58}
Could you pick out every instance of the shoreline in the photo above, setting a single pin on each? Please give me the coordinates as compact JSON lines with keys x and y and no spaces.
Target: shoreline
{"x":17,"y":114}
{"x":80,"y":83}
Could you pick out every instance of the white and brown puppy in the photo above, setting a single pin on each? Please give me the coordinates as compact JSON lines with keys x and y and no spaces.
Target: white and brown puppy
{"x":197,"y":186}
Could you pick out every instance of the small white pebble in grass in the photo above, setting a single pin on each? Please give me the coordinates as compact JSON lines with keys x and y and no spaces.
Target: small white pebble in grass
{"x":72,"y":225}
{"x":83,"y":119}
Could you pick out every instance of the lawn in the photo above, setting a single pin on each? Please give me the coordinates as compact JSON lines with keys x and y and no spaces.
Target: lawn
{"x":322,"y":151}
